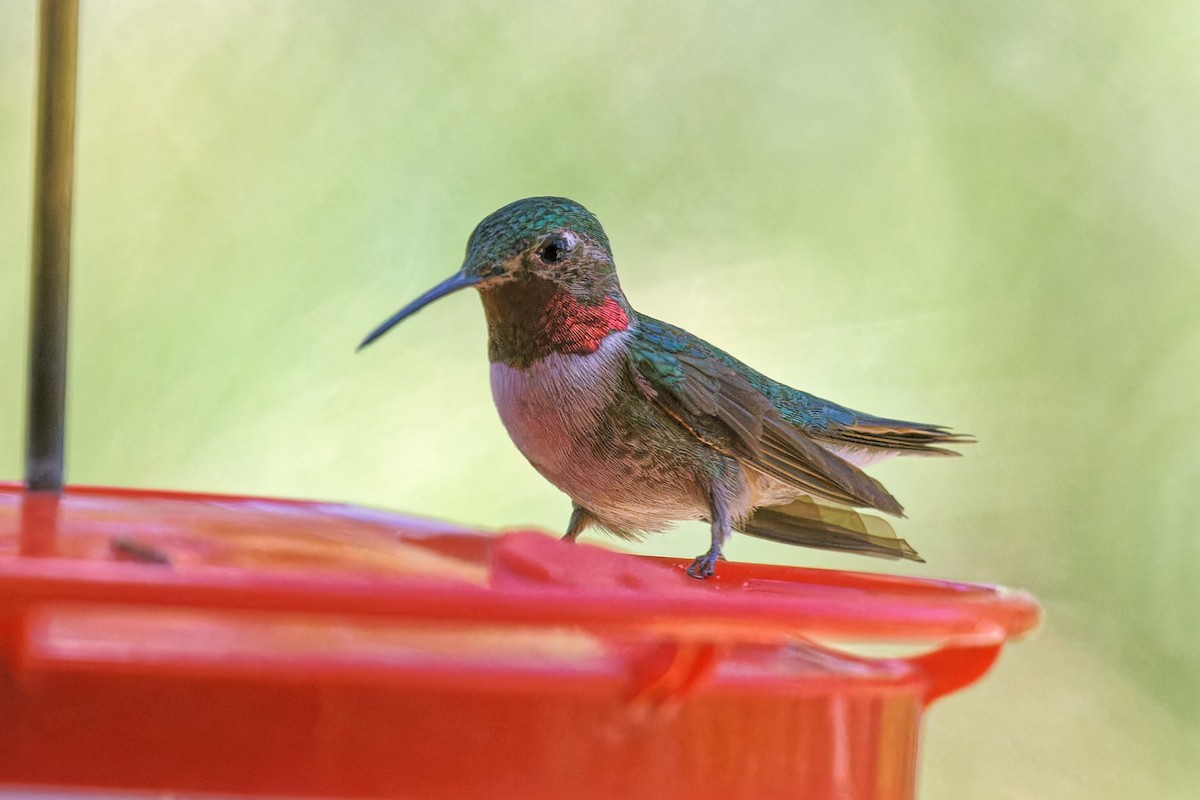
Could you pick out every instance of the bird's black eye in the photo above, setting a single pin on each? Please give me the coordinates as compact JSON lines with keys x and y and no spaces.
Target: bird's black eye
{"x":552,"y":250}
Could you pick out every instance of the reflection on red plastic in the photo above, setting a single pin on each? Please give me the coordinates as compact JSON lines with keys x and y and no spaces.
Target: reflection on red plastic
{"x":172,"y":642}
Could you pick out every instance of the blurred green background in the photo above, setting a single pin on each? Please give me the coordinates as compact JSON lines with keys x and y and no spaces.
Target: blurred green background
{"x":978,"y":214}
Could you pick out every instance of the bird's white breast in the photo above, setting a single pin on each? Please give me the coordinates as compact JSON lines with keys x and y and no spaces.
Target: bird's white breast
{"x":552,"y":407}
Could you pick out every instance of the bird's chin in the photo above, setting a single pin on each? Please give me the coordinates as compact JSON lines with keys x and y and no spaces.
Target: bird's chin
{"x":492,"y":283}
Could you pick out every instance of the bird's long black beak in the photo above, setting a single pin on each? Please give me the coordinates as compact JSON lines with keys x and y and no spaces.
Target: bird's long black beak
{"x":452,"y":284}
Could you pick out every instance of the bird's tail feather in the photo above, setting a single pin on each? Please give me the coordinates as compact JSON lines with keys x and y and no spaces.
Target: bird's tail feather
{"x":808,"y":523}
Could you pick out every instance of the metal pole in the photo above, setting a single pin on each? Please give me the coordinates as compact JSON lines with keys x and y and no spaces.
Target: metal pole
{"x":53,"y":177}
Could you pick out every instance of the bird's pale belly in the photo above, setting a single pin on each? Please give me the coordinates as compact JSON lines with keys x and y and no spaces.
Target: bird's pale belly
{"x":581,"y":425}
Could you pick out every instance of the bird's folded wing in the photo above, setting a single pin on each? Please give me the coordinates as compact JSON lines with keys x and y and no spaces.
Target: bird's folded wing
{"x":724,"y":410}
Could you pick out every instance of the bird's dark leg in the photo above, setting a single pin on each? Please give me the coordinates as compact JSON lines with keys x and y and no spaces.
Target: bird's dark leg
{"x":581,"y":520}
{"x":706,"y":563}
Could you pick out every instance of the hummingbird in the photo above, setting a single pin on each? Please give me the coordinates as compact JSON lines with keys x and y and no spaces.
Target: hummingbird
{"x":643,"y":424}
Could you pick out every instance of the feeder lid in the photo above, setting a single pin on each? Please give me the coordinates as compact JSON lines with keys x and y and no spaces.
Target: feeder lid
{"x":258,"y":552}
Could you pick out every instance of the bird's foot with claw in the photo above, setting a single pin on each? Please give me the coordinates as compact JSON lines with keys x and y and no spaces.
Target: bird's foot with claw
{"x":703,"y":566}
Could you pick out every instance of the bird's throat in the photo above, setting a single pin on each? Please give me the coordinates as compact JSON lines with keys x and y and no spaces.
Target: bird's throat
{"x":532,"y":318}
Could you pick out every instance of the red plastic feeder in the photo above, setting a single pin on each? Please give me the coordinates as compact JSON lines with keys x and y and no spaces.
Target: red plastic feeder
{"x":157,"y":641}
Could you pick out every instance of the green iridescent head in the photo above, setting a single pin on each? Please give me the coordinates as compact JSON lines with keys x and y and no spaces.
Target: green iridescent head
{"x":533,"y":226}
{"x":544,"y":238}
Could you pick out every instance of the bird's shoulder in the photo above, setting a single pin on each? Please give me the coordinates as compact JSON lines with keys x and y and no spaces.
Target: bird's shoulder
{"x":665,"y":351}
